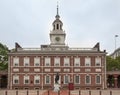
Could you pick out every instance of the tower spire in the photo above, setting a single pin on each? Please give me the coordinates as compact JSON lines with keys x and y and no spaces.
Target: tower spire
{"x":57,"y":15}
{"x":57,"y":8}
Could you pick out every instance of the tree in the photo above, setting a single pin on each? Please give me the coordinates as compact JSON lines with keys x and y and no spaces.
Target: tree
{"x":112,"y":64}
{"x":3,"y":57}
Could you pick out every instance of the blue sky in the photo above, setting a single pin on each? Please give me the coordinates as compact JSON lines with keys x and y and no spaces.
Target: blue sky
{"x":85,"y":22}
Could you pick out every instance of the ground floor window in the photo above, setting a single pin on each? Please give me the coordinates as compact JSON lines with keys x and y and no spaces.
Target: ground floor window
{"x":26,"y":80}
{"x":77,"y":79}
{"x":98,"y":79}
{"x":88,"y":79}
{"x":47,"y":79}
{"x":36,"y":79}
{"x":15,"y":79}
{"x":66,"y":79}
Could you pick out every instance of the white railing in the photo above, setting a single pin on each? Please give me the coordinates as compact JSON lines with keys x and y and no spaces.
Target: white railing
{"x":50,"y":49}
{"x":28,"y":49}
{"x":84,"y":49}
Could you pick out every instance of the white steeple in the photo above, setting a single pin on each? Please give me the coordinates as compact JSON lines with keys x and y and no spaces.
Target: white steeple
{"x":57,"y":35}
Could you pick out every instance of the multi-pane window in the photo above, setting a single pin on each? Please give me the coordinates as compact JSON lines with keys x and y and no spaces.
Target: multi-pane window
{"x":97,"y":61}
{"x":88,"y":79}
{"x":26,"y":79}
{"x":16,"y":61}
{"x":36,"y":79}
{"x":26,"y":61}
{"x":77,"y":79}
{"x":66,"y":61}
{"x":47,"y":61}
{"x":47,"y":79}
{"x":87,"y":61}
{"x":36,"y":61}
{"x":76,"y":61}
{"x":15,"y":79}
{"x":56,"y":61}
{"x":66,"y":79}
{"x":98,"y":79}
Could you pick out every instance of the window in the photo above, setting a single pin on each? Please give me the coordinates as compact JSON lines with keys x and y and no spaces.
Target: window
{"x":87,"y":62}
{"x":66,"y":79}
{"x":76,"y":61}
{"x":26,"y":79}
{"x":57,"y":26}
{"x":15,"y":79}
{"x":77,"y":79}
{"x":47,"y":79}
{"x":88,"y":79}
{"x":56,"y":61}
{"x":98,"y":79}
{"x":66,"y":62}
{"x":47,"y":61}
{"x":98,"y":61}
{"x":26,"y":61}
{"x":36,"y":61}
{"x":36,"y":79}
{"x":16,"y":61}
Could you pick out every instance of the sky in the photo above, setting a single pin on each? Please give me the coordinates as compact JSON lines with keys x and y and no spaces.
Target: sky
{"x":85,"y":22}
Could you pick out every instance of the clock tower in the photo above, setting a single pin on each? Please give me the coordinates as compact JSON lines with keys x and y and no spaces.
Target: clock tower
{"x":57,"y":35}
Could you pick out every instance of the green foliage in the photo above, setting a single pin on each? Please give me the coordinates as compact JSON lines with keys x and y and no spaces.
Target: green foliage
{"x":113,"y":64}
{"x":3,"y":57}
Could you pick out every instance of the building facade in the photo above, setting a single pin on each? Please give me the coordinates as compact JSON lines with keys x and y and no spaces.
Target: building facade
{"x":36,"y":68}
{"x":116,"y":53}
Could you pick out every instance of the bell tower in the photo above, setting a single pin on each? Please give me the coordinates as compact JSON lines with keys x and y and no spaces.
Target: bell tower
{"x":57,"y":35}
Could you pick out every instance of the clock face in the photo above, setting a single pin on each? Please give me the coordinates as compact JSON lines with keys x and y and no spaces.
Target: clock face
{"x":57,"y":39}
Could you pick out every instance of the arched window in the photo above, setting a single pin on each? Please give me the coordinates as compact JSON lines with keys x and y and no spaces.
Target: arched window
{"x":57,"y":26}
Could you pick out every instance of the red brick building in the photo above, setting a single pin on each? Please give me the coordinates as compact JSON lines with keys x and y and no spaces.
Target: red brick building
{"x":36,"y":68}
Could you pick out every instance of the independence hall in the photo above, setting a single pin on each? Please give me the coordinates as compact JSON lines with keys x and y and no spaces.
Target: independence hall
{"x":36,"y":68}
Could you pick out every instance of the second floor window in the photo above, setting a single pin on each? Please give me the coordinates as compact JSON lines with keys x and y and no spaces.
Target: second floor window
{"x":66,"y":61}
{"x":56,"y":61}
{"x":36,"y":61}
{"x":47,"y":61}
{"x":16,"y":61}
{"x":26,"y":61}
{"x":98,"y":61}
{"x":76,"y":61}
{"x":87,"y":61}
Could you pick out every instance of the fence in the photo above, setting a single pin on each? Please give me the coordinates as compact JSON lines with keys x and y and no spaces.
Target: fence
{"x":61,"y":92}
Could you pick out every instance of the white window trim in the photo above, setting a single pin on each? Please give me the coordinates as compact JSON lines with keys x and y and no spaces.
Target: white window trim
{"x":76,"y":63}
{"x":36,"y":78}
{"x":96,"y":79}
{"x":15,"y":77}
{"x":67,"y":63}
{"x":47,"y":63}
{"x":26,"y":63}
{"x":56,"y":63}
{"x":96,"y":61}
{"x":16,"y":63}
{"x":90,"y":79}
{"x":75,"y":79}
{"x":87,"y":62}
{"x":28,"y":78}
{"x":49,"y":79}
{"x":68,"y":79}
{"x":36,"y":58}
